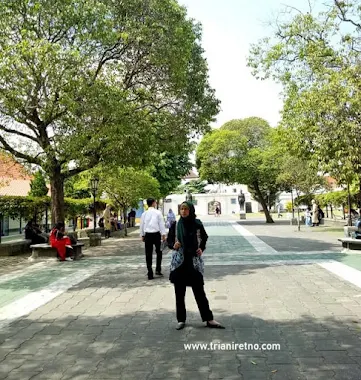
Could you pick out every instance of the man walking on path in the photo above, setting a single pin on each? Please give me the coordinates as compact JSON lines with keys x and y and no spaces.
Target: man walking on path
{"x":152,"y":231}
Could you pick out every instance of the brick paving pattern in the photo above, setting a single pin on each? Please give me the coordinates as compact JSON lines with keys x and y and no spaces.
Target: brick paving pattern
{"x":118,"y":325}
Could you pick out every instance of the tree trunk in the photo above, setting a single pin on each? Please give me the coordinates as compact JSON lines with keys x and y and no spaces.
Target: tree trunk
{"x":298,"y":211}
{"x":125,"y":221}
{"x":349,"y":221}
{"x":57,"y":196}
{"x":359,"y":198}
{"x":263,"y":203}
{"x":299,"y":221}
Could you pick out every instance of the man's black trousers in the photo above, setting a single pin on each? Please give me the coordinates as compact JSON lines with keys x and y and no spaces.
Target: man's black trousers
{"x":151,"y":239}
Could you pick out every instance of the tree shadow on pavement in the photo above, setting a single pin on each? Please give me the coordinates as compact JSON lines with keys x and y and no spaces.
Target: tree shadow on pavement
{"x":145,"y":345}
{"x":118,"y":325}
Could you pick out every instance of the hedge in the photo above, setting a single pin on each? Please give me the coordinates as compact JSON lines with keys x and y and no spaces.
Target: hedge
{"x":336,"y":198}
{"x":28,"y":206}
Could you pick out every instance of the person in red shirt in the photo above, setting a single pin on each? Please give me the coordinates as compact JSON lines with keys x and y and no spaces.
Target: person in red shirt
{"x":61,"y":242}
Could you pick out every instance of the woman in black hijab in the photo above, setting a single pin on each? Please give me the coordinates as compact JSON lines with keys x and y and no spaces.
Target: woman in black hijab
{"x":187,"y":265}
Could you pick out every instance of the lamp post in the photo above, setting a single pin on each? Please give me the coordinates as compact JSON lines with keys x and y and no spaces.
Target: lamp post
{"x":268,"y":194}
{"x":94,"y":187}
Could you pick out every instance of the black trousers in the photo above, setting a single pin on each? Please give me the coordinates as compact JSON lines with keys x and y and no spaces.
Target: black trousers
{"x":150,"y":240}
{"x":201,"y":299}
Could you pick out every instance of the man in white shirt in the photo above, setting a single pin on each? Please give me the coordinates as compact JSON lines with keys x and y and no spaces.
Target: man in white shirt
{"x":152,"y":231}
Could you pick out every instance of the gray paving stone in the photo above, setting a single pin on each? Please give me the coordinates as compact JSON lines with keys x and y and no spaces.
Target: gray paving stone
{"x":279,"y":358}
{"x":222,"y":370}
{"x":319,"y":375}
{"x":285,"y":372}
{"x":12,"y":343}
{"x":48,"y":375}
{"x":346,"y":372}
{"x":194,"y":375}
{"x":307,"y":364}
{"x":79,"y":371}
{"x":356,"y":359}
{"x":255,"y":364}
{"x":117,"y":325}
{"x":337,"y":357}
{"x":252,"y":375}
{"x":21,"y":375}
{"x":329,"y":345}
{"x":163,"y":376}
{"x":135,"y":375}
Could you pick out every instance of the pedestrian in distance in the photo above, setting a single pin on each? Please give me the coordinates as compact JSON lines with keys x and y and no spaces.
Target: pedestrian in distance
{"x":152,"y":232}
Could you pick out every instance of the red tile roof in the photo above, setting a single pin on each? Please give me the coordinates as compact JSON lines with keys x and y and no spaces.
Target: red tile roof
{"x":14,"y":178}
{"x":9,"y":168}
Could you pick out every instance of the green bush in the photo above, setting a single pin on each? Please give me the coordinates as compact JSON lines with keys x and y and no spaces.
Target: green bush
{"x":288,"y":206}
{"x":24,"y":206}
{"x":28,"y":206}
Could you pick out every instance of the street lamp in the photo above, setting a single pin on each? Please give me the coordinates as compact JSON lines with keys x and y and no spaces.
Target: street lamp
{"x":94,"y":187}
{"x":268,"y":194}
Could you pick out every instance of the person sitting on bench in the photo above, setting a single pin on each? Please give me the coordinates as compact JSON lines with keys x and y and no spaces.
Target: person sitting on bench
{"x":358,"y":226}
{"x":33,"y":233}
{"x":61,"y":242}
{"x":354,"y":230}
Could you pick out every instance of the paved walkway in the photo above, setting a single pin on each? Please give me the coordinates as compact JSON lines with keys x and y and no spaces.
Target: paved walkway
{"x":100,"y":318}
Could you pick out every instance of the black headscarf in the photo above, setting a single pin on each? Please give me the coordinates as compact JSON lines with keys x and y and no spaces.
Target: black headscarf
{"x":188,"y":223}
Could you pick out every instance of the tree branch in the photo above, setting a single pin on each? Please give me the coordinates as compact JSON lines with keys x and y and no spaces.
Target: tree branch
{"x":15,"y":153}
{"x":343,"y":14}
{"x":80,"y":169}
{"x":157,"y":109}
{"x":287,"y":6}
{"x":105,"y":59}
{"x":13,"y":131}
{"x":55,"y":117}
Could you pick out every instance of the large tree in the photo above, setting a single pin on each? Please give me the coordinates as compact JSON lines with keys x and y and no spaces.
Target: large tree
{"x":315,"y":56}
{"x":241,"y":152}
{"x":126,"y":187}
{"x":301,"y":176}
{"x":169,"y":168}
{"x":83,"y":82}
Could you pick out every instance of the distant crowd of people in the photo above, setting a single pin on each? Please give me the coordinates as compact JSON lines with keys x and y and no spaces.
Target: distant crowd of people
{"x":314,"y":215}
{"x":110,"y":221}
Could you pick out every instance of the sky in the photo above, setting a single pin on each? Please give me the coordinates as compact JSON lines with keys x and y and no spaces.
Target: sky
{"x":229,"y":28}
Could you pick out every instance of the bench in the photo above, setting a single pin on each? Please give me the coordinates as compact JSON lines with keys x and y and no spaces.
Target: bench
{"x":84,"y":240}
{"x":350,"y":231}
{"x":351,"y":244}
{"x":48,"y":251}
{"x":14,"y":247}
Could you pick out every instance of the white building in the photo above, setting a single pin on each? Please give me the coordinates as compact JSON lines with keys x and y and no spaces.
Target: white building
{"x":226,"y":197}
